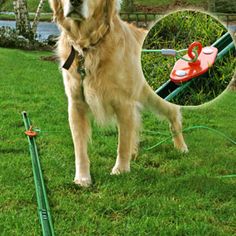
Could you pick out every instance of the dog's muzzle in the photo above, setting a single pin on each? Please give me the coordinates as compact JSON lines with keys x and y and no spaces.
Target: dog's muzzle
{"x":74,"y":10}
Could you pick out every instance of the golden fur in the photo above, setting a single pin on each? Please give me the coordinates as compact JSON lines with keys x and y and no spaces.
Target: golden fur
{"x":114,"y":86}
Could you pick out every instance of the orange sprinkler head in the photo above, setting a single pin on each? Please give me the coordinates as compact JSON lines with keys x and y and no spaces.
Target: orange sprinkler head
{"x":185,"y":70}
{"x":30,"y":132}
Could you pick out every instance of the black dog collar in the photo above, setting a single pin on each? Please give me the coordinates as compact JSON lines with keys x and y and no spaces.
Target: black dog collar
{"x":70,"y":59}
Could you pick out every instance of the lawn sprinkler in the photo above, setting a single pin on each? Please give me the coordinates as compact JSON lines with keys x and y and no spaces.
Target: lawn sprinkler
{"x":30,"y":132}
{"x":193,"y":65}
{"x":40,"y":188}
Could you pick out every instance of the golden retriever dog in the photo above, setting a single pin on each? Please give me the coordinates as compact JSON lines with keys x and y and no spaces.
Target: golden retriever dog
{"x":104,"y":77}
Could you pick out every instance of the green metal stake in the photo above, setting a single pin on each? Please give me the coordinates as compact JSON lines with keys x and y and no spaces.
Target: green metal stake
{"x":43,"y":206}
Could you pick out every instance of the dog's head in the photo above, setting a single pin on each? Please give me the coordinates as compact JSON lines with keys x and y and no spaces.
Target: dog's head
{"x":82,"y":10}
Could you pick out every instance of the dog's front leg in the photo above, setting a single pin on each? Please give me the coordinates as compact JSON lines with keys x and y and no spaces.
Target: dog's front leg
{"x":126,"y":125}
{"x":80,"y":129}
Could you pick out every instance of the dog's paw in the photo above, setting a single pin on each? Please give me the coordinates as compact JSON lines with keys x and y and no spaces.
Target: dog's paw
{"x":118,"y":169}
{"x":83,"y":181}
{"x":182,"y":148}
{"x":134,"y":155}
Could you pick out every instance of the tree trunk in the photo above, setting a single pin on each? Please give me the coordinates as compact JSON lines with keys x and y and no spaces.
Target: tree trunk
{"x":37,"y":16}
{"x":22,"y":18}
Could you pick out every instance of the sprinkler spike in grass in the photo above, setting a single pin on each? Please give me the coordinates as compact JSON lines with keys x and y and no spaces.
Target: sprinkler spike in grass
{"x":43,"y":206}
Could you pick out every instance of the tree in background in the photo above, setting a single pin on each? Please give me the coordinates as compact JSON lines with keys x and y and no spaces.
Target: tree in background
{"x":2,"y":1}
{"x":37,"y":16}
{"x":23,"y":25}
{"x":22,"y":18}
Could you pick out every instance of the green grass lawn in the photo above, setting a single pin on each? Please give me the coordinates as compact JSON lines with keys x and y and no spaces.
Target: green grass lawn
{"x":167,"y":193}
{"x":31,"y":4}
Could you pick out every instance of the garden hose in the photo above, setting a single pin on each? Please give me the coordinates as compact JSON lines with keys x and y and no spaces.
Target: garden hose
{"x":176,"y":53}
{"x":193,"y":128}
{"x":163,"y":134}
{"x":169,"y":137}
{"x":186,"y":59}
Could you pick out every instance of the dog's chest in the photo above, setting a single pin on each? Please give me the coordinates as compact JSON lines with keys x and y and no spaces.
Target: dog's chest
{"x":96,"y":95}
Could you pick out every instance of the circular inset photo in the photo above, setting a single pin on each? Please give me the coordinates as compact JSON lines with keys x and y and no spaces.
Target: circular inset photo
{"x":188,"y":57}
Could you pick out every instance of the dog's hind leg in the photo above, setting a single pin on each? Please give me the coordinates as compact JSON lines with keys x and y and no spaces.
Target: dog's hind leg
{"x":126,"y":119}
{"x":135,"y":138}
{"x":170,"y":111}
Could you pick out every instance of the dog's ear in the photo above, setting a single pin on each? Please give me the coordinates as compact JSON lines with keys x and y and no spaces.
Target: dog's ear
{"x":56,"y":8}
{"x":112,"y":7}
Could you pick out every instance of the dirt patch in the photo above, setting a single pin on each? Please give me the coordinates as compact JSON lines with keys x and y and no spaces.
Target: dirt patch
{"x":52,"y":58}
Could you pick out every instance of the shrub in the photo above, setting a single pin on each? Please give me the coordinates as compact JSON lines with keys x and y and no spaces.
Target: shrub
{"x":10,"y":38}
